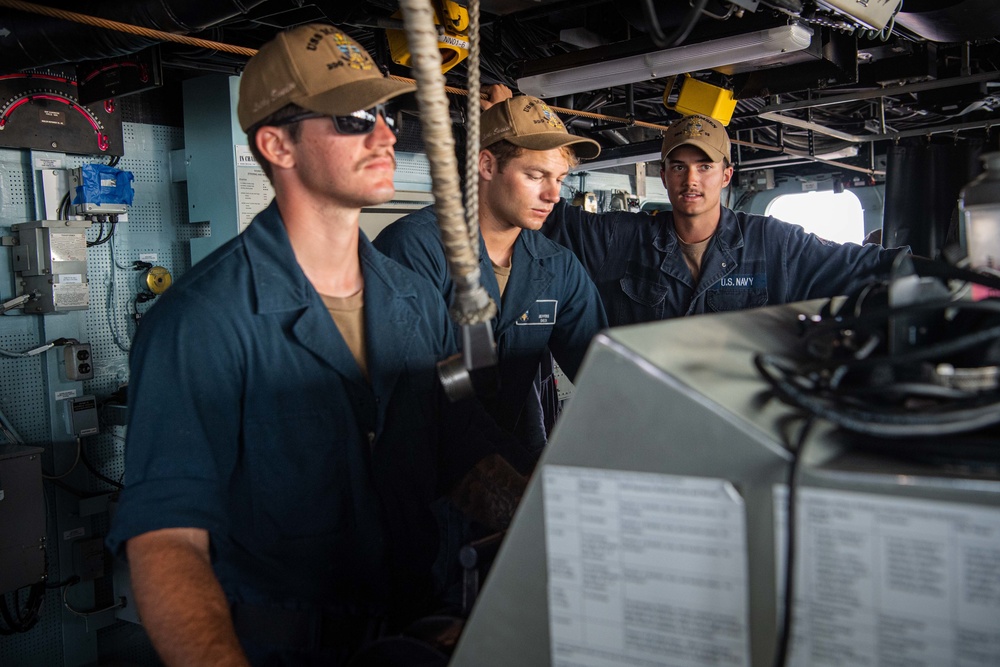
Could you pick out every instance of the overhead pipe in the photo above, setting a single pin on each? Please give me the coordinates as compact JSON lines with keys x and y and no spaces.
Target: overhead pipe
{"x":27,"y":41}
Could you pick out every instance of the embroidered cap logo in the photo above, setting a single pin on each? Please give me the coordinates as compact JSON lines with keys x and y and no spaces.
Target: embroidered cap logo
{"x":550,"y":118}
{"x":694,"y":129}
{"x":353,"y":57}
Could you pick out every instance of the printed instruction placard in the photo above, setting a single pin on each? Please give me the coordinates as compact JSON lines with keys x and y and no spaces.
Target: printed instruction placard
{"x":644,"y":569}
{"x":884,"y":581}
{"x":253,"y":189}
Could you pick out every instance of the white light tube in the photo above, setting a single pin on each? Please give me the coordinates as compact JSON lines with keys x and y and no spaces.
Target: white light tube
{"x":679,"y":60}
{"x":597,"y":165}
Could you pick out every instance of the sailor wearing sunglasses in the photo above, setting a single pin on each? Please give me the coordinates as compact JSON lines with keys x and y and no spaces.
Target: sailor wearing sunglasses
{"x":288,"y":433}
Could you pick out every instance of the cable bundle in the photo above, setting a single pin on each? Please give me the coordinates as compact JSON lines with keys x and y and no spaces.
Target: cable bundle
{"x":864,"y":371}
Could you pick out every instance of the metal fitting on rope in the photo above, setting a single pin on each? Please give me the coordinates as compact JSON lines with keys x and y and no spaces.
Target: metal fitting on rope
{"x":473,"y":371}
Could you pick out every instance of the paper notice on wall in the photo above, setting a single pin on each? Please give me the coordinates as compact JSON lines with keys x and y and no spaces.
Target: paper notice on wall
{"x":253,"y":190}
{"x":886,"y":581}
{"x":644,"y":569}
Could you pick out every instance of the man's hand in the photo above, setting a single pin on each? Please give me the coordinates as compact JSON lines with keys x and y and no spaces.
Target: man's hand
{"x":490,"y":492}
{"x":496,"y":92}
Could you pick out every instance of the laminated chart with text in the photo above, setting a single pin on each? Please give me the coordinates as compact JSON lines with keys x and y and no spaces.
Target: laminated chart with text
{"x":885,"y":581}
{"x":645,"y":569}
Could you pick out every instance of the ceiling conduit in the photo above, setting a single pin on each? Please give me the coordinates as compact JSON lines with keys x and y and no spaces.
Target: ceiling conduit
{"x":28,"y":40}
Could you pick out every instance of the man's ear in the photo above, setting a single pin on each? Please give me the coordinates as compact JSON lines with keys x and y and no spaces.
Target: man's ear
{"x":727,"y":176}
{"x":274,"y":145}
{"x":487,"y":165}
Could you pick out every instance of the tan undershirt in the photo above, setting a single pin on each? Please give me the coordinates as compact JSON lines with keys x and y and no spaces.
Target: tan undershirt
{"x":693,"y":253}
{"x":503,"y":275}
{"x":348,"y":314}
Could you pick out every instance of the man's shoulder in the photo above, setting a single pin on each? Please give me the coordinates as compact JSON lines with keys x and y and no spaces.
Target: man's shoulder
{"x":400,"y":277}
{"x":542,"y":247}
{"x":560,"y":260}
{"x":217,"y":276}
{"x":420,"y":227}
{"x":745,"y":218}
{"x":764,"y":226}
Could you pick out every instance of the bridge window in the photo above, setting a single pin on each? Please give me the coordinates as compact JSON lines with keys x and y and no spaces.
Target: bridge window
{"x":833,"y":216}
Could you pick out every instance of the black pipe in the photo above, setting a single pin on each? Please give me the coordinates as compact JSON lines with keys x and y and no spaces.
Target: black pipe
{"x":30,"y":40}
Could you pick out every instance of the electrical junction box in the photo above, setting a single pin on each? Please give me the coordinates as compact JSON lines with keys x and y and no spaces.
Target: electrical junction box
{"x":698,"y":97}
{"x":50,"y":259}
{"x":88,"y":556}
{"x":100,"y":190}
{"x":757,"y":180}
{"x":22,"y":517}
{"x":81,"y":412}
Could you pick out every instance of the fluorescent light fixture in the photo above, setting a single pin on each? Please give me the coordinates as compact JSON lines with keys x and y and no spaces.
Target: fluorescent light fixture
{"x":625,"y":160}
{"x":679,"y":60}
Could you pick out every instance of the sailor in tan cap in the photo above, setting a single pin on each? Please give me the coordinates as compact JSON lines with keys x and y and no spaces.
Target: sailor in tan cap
{"x":695,"y":170}
{"x":546,"y":301}
{"x":288,"y":433}
{"x":701,"y":256}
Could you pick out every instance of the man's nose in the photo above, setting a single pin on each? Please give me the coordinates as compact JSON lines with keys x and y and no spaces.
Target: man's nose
{"x":382,"y":133}
{"x":551,"y":190}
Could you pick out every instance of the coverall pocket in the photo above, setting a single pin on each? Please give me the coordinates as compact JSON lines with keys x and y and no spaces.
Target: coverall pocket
{"x":643,"y":291}
{"x":645,"y":299}
{"x":720,"y":301}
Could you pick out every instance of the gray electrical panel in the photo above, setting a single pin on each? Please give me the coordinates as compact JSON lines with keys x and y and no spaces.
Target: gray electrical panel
{"x":653,"y":531}
{"x":50,"y":260}
{"x":22,"y":517}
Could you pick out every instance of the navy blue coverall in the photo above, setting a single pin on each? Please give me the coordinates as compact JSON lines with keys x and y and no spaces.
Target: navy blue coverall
{"x":250,"y":418}
{"x":636,"y":262}
{"x":549,"y":303}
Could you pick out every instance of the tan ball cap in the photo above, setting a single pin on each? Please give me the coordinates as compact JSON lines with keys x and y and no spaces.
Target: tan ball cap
{"x":317,"y":67}
{"x":529,"y":123}
{"x":701,"y":132}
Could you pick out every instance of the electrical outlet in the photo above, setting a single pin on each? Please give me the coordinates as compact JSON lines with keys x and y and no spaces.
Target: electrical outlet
{"x":79,"y":362}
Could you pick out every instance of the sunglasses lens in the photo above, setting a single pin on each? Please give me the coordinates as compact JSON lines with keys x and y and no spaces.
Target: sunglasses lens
{"x":359,"y":122}
{"x":394,"y":119}
{"x":363,"y":122}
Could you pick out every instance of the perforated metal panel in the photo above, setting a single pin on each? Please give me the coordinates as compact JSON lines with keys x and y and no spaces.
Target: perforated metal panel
{"x":23,"y":402}
{"x":21,"y":380}
{"x":156,"y":226}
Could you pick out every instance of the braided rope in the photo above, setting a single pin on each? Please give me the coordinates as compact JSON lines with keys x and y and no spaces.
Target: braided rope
{"x":472,"y":302}
{"x":472,"y":130}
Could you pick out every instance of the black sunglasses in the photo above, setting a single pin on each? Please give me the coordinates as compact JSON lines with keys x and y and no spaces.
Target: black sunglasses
{"x":358,"y":122}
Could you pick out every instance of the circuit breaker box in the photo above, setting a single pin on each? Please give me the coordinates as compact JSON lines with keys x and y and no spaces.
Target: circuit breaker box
{"x":22,"y":517}
{"x":50,"y":259}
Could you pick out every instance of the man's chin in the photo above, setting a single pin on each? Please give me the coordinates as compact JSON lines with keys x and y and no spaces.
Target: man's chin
{"x":533,"y":221}
{"x":377,"y":197}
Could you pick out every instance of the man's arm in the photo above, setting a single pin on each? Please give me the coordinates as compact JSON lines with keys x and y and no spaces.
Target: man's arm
{"x":821,"y":269}
{"x":590,"y":236}
{"x":180,"y":601}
